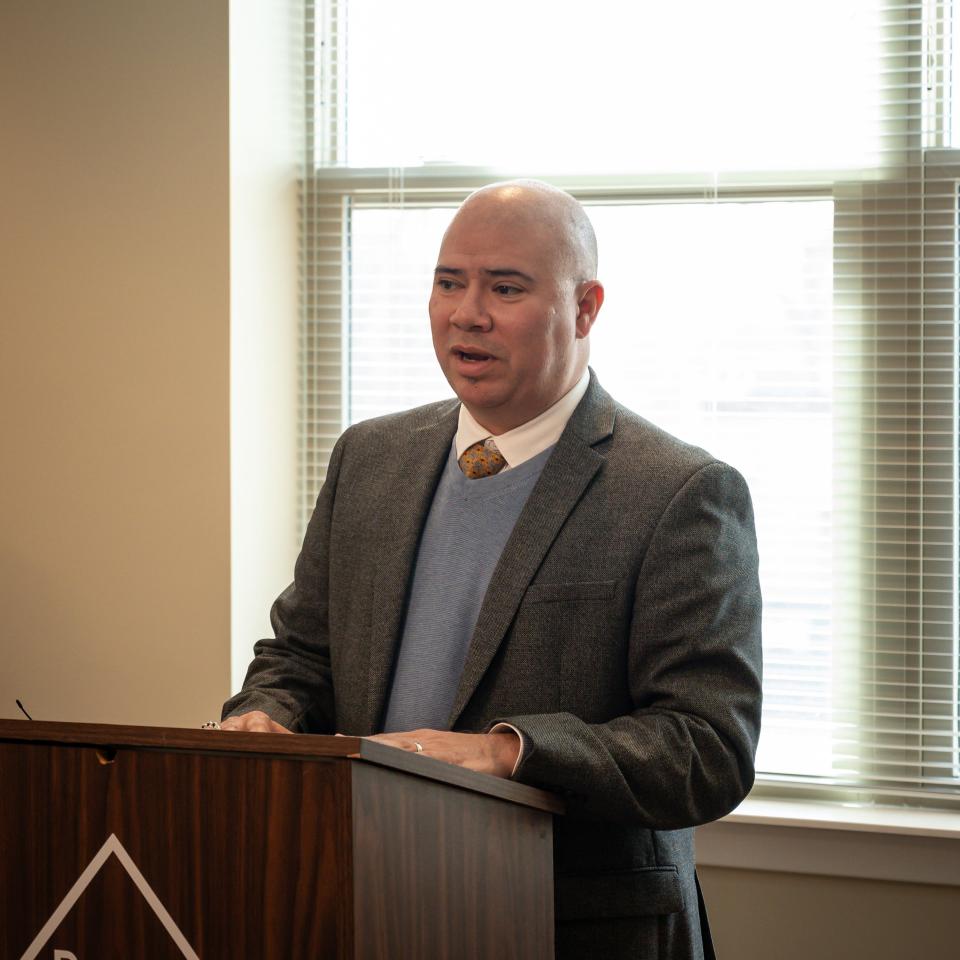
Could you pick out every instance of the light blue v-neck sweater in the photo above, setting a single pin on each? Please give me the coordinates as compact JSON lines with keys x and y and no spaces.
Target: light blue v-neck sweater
{"x":465,"y":533}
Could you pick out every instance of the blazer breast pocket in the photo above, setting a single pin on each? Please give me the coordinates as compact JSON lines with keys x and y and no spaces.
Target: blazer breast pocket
{"x":550,"y":616}
{"x":571,"y":592}
{"x":585,"y":623}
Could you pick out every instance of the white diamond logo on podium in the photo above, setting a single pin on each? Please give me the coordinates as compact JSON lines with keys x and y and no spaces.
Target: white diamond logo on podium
{"x":115,"y":847}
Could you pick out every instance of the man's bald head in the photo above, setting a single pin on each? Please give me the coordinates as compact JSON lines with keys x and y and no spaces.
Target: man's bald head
{"x":514,"y":299}
{"x":550,"y":214}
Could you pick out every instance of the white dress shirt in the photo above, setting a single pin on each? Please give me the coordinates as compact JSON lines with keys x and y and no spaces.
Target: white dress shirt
{"x":530,"y":438}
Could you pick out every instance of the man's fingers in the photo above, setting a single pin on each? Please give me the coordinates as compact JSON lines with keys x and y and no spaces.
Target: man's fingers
{"x":402,"y":741}
{"x":492,"y":753}
{"x":254,"y":722}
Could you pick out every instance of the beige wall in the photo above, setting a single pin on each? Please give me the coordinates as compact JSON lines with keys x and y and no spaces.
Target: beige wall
{"x":758,"y":915}
{"x":114,"y":359}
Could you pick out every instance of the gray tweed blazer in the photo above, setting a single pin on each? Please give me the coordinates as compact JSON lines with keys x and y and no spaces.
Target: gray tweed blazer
{"x":620,"y":633}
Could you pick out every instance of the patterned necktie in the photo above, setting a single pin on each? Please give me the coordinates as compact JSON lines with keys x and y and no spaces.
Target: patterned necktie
{"x":483,"y":459}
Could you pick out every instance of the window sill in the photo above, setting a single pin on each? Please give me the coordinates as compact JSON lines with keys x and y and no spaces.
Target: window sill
{"x":835,"y":839}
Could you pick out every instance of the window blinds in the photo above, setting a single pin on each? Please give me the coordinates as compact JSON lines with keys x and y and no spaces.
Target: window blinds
{"x":777,"y":207}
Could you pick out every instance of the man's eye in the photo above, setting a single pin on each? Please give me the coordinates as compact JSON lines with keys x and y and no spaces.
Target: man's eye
{"x":506,"y":289}
{"x":445,"y":284}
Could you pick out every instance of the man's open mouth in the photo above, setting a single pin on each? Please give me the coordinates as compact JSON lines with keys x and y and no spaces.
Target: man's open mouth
{"x":472,"y":356}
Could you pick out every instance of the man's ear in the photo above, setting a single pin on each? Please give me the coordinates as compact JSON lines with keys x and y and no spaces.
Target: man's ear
{"x":590,"y":300}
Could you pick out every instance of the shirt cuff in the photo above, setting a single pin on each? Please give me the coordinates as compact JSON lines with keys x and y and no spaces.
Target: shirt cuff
{"x":503,"y":728}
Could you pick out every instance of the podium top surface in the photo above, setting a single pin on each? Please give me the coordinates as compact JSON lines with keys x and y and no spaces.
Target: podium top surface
{"x":297,"y":745}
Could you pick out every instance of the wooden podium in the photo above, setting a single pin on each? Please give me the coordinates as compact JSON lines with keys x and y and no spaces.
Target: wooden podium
{"x":136,"y":842}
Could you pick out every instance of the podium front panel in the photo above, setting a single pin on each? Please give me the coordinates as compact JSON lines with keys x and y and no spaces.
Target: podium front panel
{"x":161,"y":843}
{"x":444,"y":872}
{"x":156,"y":854}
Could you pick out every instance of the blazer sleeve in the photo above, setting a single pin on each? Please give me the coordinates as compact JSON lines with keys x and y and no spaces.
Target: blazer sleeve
{"x":684,"y":754}
{"x":290,"y":677}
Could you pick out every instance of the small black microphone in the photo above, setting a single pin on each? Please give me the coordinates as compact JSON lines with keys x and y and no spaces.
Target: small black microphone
{"x":24,"y":709}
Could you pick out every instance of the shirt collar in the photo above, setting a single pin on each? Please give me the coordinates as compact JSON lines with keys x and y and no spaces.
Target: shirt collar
{"x":530,"y":438}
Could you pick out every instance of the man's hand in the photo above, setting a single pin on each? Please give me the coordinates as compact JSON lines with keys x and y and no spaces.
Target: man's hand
{"x":493,"y":753}
{"x":256,"y":721}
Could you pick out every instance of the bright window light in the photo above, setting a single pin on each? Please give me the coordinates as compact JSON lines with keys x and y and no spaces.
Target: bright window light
{"x":746,"y":85}
{"x":717,"y":326}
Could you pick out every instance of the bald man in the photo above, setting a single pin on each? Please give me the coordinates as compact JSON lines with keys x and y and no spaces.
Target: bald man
{"x":534,"y":582}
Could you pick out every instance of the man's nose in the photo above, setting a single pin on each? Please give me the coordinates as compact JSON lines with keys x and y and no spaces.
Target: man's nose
{"x":471,"y":312}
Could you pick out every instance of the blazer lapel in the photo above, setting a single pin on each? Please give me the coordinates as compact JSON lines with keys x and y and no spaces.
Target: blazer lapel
{"x":566,"y":476}
{"x":415,"y":482}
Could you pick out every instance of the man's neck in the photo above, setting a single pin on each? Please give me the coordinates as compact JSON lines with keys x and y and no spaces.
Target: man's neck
{"x":498,"y":426}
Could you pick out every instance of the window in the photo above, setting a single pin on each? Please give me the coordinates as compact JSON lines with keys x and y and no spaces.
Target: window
{"x":778,"y":228}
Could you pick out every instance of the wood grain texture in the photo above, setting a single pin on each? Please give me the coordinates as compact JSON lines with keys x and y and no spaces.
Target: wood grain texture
{"x":442,"y":872}
{"x":111,"y":736}
{"x":249,"y":855}
{"x":312,"y":852}
{"x":178,"y":738}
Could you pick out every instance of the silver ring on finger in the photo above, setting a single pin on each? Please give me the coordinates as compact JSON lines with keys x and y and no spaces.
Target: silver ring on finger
{"x":210,"y":725}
